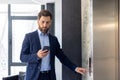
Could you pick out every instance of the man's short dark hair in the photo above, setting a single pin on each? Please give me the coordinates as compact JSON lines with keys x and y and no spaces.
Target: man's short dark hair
{"x":44,"y":13}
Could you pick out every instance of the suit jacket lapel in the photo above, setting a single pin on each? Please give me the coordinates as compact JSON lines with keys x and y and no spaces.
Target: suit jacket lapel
{"x":50,"y":41}
{"x":51,"y":44}
{"x":37,"y":40}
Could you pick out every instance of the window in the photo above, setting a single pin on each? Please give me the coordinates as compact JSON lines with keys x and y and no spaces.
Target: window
{"x":3,"y":40}
{"x":21,"y":20}
{"x":15,"y":21}
{"x":19,"y":28}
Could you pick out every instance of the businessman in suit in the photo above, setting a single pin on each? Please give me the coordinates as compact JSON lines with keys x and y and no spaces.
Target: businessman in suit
{"x":41,"y":62}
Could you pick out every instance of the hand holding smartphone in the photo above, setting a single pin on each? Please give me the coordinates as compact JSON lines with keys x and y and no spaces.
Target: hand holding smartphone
{"x":46,"y":48}
{"x":43,"y":52}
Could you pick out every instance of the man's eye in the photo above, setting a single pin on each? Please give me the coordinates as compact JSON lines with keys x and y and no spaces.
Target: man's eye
{"x":47,"y":22}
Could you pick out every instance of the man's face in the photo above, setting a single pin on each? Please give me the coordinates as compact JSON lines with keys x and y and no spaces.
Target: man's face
{"x":44,"y":23}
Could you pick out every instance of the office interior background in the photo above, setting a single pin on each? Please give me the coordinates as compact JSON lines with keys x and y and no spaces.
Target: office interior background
{"x":88,"y":32}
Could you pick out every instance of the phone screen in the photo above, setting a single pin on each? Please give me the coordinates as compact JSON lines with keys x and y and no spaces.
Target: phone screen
{"x":46,"y":48}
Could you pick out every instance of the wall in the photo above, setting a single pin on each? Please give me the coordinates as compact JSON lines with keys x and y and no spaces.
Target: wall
{"x":58,"y":33}
{"x":71,"y":36}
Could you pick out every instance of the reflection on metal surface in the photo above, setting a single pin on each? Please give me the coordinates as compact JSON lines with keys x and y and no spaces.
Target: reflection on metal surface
{"x":106,"y":26}
{"x":105,"y":39}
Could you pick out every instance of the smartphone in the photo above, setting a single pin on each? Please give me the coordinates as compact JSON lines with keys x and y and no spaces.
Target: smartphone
{"x":46,"y":48}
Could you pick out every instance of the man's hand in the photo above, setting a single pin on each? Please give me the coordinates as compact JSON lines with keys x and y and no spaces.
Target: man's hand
{"x":42,"y":53}
{"x":81,"y":70}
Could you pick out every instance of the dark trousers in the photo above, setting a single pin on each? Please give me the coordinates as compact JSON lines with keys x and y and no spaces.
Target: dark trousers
{"x":45,"y":76}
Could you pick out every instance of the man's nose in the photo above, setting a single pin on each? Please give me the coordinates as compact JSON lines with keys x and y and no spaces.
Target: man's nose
{"x":45,"y":24}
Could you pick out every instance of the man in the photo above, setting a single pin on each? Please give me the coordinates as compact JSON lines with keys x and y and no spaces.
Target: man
{"x":41,"y":62}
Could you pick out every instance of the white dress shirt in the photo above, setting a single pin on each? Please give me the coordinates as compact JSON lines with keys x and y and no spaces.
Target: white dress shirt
{"x":44,"y":41}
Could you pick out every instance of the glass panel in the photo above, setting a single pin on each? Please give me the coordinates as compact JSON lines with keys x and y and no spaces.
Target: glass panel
{"x":3,"y":8}
{"x":19,"y":28}
{"x":25,"y":9}
{"x":3,"y":41}
{"x":16,"y":69}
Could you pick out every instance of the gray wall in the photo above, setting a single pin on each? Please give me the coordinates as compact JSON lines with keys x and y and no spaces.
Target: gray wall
{"x":71,"y":36}
{"x":51,"y":8}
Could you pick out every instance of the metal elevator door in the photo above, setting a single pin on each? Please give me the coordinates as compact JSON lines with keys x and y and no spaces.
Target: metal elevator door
{"x":106,"y":39}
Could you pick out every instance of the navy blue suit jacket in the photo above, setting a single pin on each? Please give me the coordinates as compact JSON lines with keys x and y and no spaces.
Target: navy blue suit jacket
{"x":30,"y":47}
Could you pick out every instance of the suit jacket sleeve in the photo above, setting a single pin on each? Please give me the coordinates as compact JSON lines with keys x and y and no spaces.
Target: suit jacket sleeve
{"x":26,"y":54}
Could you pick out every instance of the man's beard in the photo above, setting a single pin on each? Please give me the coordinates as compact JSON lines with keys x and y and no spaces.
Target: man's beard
{"x":44,"y":30}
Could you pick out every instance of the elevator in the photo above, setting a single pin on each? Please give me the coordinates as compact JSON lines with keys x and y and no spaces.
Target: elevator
{"x":99,"y":27}
{"x":106,"y":40}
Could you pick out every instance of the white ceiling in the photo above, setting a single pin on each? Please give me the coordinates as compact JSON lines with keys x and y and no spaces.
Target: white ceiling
{"x":25,"y":1}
